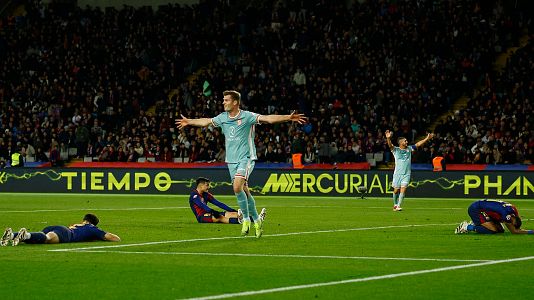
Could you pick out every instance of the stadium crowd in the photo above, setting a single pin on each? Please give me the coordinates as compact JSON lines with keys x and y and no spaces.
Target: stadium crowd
{"x":109,"y":83}
{"x":497,"y":126}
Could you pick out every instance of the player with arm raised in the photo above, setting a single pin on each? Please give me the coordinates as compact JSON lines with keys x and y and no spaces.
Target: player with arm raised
{"x":403,"y":165}
{"x":238,"y":128}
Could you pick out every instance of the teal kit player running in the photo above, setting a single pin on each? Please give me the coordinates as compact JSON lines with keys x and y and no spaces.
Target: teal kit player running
{"x":238,"y":128}
{"x":403,"y":166}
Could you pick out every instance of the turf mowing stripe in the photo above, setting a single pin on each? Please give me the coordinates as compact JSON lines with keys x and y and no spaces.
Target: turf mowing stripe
{"x":288,"y":256}
{"x":186,"y":207}
{"x":389,"y":276}
{"x":240,"y":237}
{"x":370,"y":207}
{"x":93,"y":209}
{"x":257,"y":195}
{"x":386,"y":208}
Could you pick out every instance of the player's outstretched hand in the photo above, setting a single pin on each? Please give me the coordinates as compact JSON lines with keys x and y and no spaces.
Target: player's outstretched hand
{"x":429,"y":136}
{"x":389,"y":134}
{"x":299,"y":118}
{"x":181,"y":123}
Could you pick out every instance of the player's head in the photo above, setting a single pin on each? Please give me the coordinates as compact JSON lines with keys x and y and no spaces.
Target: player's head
{"x":203,"y":184}
{"x":231,"y":100}
{"x":402,"y":141}
{"x":92,"y":219}
{"x":517,"y":222}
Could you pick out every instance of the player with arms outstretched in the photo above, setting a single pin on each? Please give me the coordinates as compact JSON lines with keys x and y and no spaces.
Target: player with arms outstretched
{"x":238,"y":128}
{"x":403,"y":165}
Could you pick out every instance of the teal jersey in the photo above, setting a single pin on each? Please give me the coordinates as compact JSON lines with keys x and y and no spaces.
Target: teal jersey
{"x":403,"y":160}
{"x":239,"y":134}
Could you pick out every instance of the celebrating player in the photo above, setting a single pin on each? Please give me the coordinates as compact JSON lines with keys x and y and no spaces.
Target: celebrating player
{"x":487,"y":216}
{"x":403,"y":166}
{"x":84,"y":232}
{"x":199,"y":199}
{"x":238,"y":128}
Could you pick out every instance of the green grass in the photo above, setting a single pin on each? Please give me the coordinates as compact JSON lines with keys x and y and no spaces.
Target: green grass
{"x":177,"y":268}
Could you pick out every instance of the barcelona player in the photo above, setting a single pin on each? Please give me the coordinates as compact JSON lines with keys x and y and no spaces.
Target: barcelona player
{"x":487,"y":216}
{"x":86,"y":231}
{"x":199,"y":199}
{"x":238,"y":128}
{"x":403,"y":165}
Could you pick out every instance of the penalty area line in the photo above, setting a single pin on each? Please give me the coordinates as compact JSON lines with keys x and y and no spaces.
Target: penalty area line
{"x":355,"y":280}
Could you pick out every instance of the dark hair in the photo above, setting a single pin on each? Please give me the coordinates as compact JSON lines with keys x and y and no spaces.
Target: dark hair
{"x":202,"y":180}
{"x":400,"y":139}
{"x":234,"y":94}
{"x":518,"y":222}
{"x":91,"y":219}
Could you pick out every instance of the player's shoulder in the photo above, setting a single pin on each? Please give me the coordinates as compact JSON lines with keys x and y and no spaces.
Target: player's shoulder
{"x":223,"y":114}
{"x":85,"y":227}
{"x":194,"y":194}
{"x":247,"y":113}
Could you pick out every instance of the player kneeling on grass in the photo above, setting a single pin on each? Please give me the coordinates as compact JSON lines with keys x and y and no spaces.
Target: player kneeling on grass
{"x":487,"y":216}
{"x":199,"y":199}
{"x":85,"y":232}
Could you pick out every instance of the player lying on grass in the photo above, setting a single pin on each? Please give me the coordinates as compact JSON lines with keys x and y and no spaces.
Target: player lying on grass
{"x":199,"y":199}
{"x":85,"y":232}
{"x":487,"y":216}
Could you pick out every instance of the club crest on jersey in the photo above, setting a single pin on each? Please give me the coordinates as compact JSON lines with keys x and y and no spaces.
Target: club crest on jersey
{"x":239,"y":122}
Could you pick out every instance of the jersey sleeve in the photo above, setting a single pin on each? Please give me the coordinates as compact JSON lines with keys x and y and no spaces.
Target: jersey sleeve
{"x":192,"y":196}
{"x":217,"y":121}
{"x":252,"y":118}
{"x":506,"y":215}
{"x":195,"y":198}
{"x":98,"y":233}
{"x":412,"y":148}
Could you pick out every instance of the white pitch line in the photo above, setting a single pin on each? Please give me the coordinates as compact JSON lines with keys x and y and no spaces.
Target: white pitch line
{"x":289,"y":256}
{"x":385,"y":208}
{"x":422,"y":208}
{"x":94,"y":209}
{"x":239,"y":237}
{"x":388,"y":276}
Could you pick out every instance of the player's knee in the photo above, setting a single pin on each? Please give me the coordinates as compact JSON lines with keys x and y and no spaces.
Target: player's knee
{"x":238,"y":188}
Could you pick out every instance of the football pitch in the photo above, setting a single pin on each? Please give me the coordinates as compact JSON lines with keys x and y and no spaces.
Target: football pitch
{"x":312,"y":248}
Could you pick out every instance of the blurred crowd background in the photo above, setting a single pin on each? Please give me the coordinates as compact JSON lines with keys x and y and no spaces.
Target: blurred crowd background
{"x":106,"y":84}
